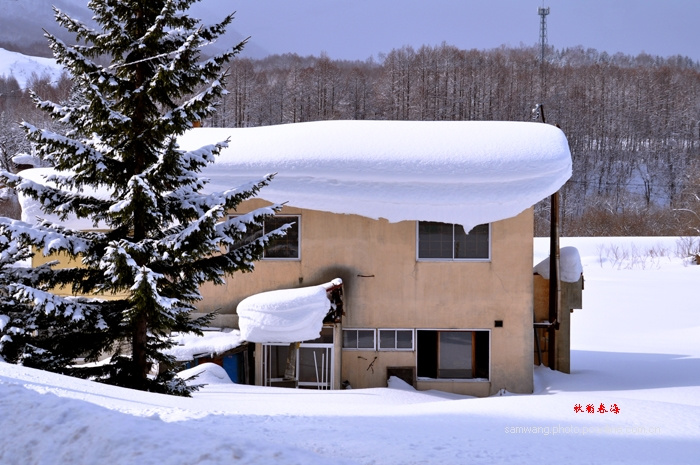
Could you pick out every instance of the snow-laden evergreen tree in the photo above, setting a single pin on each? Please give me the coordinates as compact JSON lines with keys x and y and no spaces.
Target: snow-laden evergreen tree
{"x":157,"y":234}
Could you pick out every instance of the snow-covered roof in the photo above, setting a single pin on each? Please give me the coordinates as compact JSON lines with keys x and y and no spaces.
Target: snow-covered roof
{"x":285,"y":316}
{"x":570,"y":266}
{"x":465,"y":172}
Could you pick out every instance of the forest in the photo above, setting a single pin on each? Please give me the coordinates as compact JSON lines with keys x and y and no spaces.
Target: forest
{"x":633,"y":122}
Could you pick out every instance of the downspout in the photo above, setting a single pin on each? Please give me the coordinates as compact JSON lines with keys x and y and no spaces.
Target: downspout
{"x":554,"y":271}
{"x":554,"y":283}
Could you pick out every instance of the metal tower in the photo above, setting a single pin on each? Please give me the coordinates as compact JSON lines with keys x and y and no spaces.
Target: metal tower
{"x":543,"y":12}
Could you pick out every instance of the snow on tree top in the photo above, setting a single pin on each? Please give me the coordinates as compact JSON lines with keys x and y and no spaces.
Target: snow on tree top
{"x":465,"y":172}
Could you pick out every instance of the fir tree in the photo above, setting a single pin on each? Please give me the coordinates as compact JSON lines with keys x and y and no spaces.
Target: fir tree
{"x":157,"y":236}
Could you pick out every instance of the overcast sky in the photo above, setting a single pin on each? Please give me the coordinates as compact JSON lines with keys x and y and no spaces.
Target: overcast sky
{"x":358,"y":29}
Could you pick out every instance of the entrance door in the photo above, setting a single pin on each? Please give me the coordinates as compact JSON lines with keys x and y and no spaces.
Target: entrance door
{"x":314,"y":363}
{"x":315,"y":366}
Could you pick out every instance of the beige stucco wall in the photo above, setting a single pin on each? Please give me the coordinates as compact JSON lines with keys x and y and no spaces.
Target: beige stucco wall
{"x":63,"y":260}
{"x":386,"y":287}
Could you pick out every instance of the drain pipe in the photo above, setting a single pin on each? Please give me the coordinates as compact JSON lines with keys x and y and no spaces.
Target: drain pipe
{"x":554,"y":272}
{"x":554,"y":283}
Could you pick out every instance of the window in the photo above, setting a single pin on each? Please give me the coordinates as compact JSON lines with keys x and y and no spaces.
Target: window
{"x":285,"y":247}
{"x":358,"y":339}
{"x":452,"y":354}
{"x":395,"y":339}
{"x":443,"y":241}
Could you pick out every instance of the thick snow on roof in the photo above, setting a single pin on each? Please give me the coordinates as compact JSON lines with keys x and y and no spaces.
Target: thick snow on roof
{"x":287,"y":315}
{"x":466,"y":172}
{"x":570,"y":266}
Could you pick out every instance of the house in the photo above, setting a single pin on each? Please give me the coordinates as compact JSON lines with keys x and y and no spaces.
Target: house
{"x":409,"y":254}
{"x":429,"y":226}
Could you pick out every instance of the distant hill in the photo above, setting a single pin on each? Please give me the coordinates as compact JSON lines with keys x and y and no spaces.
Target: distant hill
{"x":22,"y":25}
{"x":23,"y":66}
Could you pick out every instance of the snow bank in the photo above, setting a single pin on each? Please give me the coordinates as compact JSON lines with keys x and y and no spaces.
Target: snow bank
{"x":205,"y":374}
{"x":570,"y":266}
{"x":288,"y":315}
{"x":624,"y":352}
{"x":465,"y":172}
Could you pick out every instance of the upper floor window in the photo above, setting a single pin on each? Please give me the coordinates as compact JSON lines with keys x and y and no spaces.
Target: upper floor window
{"x":285,"y":247}
{"x":443,"y":241}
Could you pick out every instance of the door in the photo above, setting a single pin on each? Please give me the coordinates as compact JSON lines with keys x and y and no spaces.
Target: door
{"x":315,"y":366}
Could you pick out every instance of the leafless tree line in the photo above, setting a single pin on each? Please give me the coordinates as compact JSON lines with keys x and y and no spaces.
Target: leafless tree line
{"x":633,"y":122}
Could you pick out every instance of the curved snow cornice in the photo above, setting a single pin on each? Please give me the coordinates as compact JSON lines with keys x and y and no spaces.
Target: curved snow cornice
{"x":465,"y":172}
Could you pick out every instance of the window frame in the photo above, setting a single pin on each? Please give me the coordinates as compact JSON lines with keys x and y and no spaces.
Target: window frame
{"x":477,"y":363}
{"x":395,"y":348}
{"x":297,"y":222}
{"x":374,"y":339}
{"x":453,"y":259}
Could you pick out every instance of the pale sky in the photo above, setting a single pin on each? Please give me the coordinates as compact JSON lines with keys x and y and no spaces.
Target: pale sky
{"x":358,"y":29}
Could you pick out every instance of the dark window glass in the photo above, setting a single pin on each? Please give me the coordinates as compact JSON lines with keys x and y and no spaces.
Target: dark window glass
{"x":404,"y":339}
{"x":358,"y":339}
{"x":286,"y":246}
{"x":434,"y":240}
{"x":395,"y":339}
{"x":450,"y":242}
{"x":474,"y":245}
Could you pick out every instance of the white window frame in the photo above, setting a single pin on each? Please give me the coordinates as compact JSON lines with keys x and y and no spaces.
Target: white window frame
{"x":374,"y":339}
{"x":298,"y":224}
{"x":453,"y":259}
{"x":395,"y":348}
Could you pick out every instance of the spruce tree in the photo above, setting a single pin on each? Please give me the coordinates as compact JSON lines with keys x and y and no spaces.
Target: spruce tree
{"x":156,"y":235}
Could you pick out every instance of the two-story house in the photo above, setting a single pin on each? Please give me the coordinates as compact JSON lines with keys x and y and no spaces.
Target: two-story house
{"x":429,"y":225}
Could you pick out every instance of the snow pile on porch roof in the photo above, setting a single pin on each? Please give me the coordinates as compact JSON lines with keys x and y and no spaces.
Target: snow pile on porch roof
{"x":286,"y":316}
{"x":188,"y":345}
{"x":465,"y":172}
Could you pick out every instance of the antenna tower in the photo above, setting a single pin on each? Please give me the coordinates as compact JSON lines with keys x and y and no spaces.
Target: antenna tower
{"x":543,"y":12}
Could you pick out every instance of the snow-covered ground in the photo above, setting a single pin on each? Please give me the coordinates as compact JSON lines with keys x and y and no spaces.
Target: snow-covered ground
{"x":636,"y":345}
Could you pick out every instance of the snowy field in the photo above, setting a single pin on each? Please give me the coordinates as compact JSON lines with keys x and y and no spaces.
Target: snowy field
{"x":635,"y":347}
